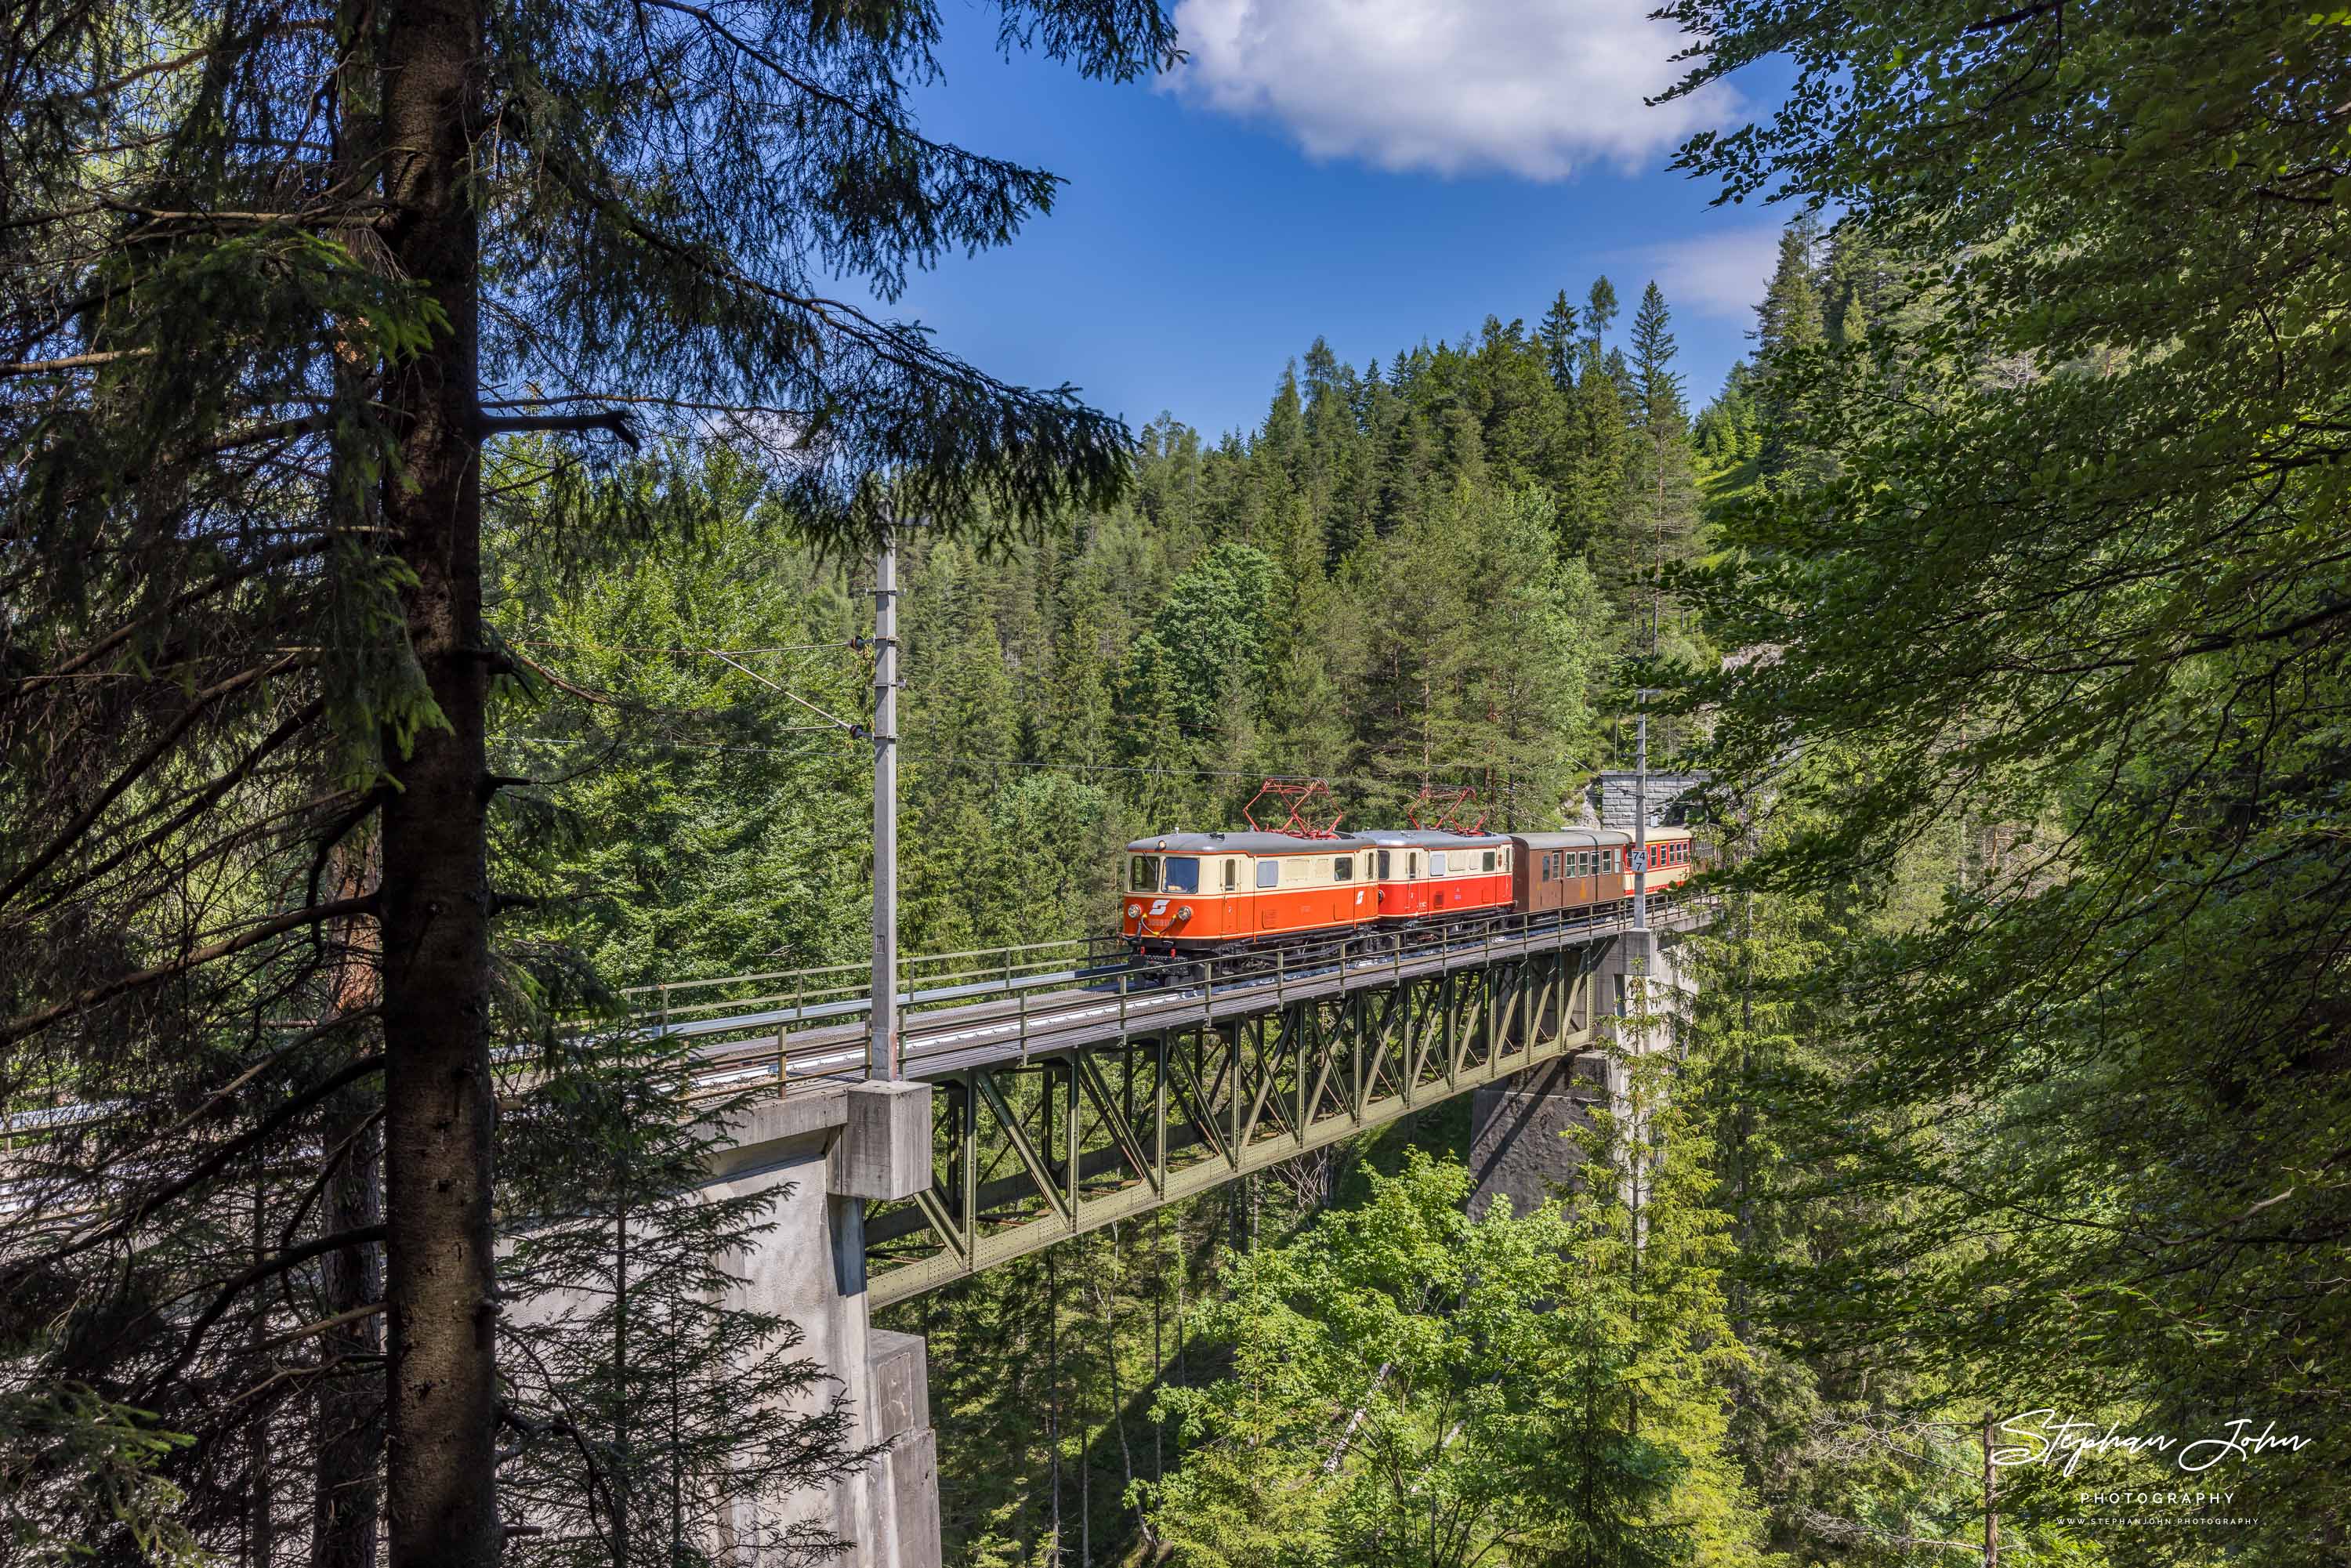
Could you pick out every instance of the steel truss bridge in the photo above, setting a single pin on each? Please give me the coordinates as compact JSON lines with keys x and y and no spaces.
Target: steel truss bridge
{"x":1068,"y":1095}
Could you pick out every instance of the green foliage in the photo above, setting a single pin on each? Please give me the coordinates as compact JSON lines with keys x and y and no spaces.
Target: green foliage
{"x":75,"y":1469}
{"x":695,"y":819}
{"x":2049,"y":590}
{"x":1212,"y":632}
{"x":1412,"y":1385}
{"x":280,"y":274}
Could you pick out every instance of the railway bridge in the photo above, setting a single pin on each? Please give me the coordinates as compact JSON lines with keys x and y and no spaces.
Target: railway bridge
{"x":1041,"y":1096}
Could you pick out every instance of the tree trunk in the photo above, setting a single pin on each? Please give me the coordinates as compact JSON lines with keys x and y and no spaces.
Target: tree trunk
{"x":440,"y":1290}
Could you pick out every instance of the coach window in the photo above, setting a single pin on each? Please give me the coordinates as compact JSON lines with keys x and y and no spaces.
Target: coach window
{"x":1436,"y":862}
{"x":1343,"y":869}
{"x":1490,"y":859}
{"x":1269,"y":873}
{"x":1143,"y":874}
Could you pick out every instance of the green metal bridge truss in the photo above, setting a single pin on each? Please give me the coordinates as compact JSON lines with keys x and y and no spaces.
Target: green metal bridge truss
{"x":1081,"y":1130}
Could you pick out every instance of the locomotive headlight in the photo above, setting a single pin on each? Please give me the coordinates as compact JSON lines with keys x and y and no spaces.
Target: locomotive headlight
{"x":1135,"y":912}
{"x":1185,"y":913}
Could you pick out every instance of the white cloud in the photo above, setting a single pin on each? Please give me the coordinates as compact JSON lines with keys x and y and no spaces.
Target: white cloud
{"x":1535,"y":87}
{"x":1719,"y":272}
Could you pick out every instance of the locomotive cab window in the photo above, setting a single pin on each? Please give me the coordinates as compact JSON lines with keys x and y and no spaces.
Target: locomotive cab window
{"x":1269,"y":873}
{"x":1490,"y":859}
{"x":1143,"y":874}
{"x":1381,"y":870}
{"x":1232,"y":874}
{"x":1343,"y":869}
{"x":1183,"y":874}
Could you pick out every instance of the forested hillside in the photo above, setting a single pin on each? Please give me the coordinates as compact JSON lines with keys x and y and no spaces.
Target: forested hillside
{"x":1422,"y":573}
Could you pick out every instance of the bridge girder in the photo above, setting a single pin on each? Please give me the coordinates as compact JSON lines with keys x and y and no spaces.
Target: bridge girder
{"x":1067,"y":1139}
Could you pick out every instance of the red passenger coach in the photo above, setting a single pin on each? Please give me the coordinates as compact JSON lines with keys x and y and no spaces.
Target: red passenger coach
{"x":1427,"y":874}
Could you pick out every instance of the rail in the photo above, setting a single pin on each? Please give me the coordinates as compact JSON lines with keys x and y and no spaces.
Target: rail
{"x":951,"y":1018}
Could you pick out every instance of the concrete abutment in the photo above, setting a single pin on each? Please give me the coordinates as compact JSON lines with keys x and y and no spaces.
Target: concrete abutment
{"x":832,"y":1154}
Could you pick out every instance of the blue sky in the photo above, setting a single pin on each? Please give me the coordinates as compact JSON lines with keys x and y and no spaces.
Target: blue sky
{"x":1377,"y":171}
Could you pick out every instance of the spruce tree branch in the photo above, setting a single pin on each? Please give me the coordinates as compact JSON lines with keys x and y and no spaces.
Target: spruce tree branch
{"x":26,"y":1024}
{"x":685,"y":405}
{"x":300,"y":1043}
{"x":891,"y":345}
{"x":334,"y":1159}
{"x":612,"y":420}
{"x":197,"y":706}
{"x":237,"y":45}
{"x":170,"y":610}
{"x":324,"y":1325}
{"x":213,"y":1163}
{"x":895,"y":129}
{"x":293,"y":725}
{"x":267,"y":1268}
{"x":71,"y":362}
{"x":597,"y":698}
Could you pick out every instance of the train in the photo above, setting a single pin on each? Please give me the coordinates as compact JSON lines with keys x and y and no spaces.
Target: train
{"x":1191,"y":896}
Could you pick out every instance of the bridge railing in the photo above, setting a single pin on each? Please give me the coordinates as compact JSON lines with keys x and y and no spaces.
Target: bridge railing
{"x":783,"y":1026}
{"x":813,"y":1025}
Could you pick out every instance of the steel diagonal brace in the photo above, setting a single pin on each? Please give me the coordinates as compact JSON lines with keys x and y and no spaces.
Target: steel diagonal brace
{"x":1097,"y":1089}
{"x":949,"y":1231}
{"x":1018,"y":1136}
{"x":1369,"y":1088}
{"x":1196,"y":1108}
{"x":1267,"y":1071}
{"x":1321,"y":1082}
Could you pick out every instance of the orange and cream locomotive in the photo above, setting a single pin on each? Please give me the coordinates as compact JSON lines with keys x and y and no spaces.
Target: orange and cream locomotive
{"x":1209,"y":895}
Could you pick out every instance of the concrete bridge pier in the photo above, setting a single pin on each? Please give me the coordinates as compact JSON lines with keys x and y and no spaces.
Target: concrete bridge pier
{"x":835,"y":1152}
{"x":1519,"y":1144}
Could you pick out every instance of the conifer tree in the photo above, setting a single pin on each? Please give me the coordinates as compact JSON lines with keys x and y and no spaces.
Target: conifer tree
{"x":1411,"y":1385}
{"x":1788,"y":333}
{"x":283,"y":272}
{"x":1558,"y":336}
{"x":1599,"y":311}
{"x":1598,"y":446}
{"x":1668,"y":504}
